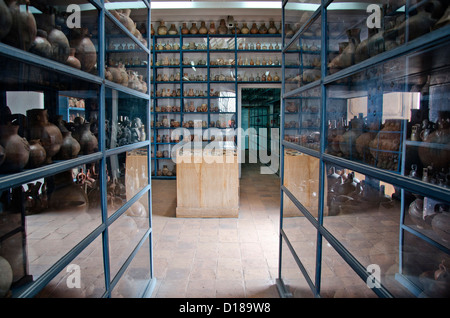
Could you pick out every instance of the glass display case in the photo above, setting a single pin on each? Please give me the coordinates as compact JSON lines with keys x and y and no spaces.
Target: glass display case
{"x":379,"y":215}
{"x":74,"y":149}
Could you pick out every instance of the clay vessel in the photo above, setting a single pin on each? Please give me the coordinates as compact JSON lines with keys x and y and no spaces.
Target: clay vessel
{"x":288,"y":30}
{"x":88,"y":141}
{"x":184,"y":29}
{"x":193,"y":29}
{"x":85,"y":49}
{"x":6,"y":277}
{"x":172,"y":30}
{"x":245,"y":29}
{"x":254,"y":29}
{"x":23,"y":29}
{"x":202,"y":29}
{"x":37,"y":154}
{"x":124,"y":18}
{"x":40,"y":128}
{"x":347,"y":57}
{"x":262,"y":29}
{"x":41,"y":46}
{"x":439,"y":158}
{"x":212,"y":28}
{"x":60,"y":45}
{"x":17,"y":149}
{"x":70,"y":147}
{"x":162,"y":29}
{"x":441,"y":225}
{"x":67,"y":195}
{"x":5,"y":20}
{"x":272,"y":28}
{"x":222,"y":29}
{"x":72,"y":60}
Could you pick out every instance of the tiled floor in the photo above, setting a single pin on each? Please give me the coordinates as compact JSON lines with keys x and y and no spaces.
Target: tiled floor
{"x":218,"y":257}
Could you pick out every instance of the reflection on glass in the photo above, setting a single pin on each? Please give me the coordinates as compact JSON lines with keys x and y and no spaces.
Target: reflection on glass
{"x":127,"y":175}
{"x":82,"y":278}
{"x":126,"y":119}
{"x":136,"y":277}
{"x":126,"y":232}
{"x":301,"y":178}
{"x":56,"y":214}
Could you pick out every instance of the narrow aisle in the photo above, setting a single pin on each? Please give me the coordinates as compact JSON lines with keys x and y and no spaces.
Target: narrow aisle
{"x":218,"y":257}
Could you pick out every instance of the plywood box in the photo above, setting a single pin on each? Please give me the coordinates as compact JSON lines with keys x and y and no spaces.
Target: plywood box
{"x":207,"y":184}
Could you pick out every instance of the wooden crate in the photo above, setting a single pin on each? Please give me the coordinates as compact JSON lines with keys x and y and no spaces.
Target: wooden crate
{"x":301,"y":178}
{"x":207,"y":185}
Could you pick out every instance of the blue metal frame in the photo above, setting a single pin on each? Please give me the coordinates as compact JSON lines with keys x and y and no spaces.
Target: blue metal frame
{"x":10,"y":181}
{"x":434,"y":38}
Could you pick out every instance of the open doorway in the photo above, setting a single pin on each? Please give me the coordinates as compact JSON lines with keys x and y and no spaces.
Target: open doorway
{"x":259,"y":112}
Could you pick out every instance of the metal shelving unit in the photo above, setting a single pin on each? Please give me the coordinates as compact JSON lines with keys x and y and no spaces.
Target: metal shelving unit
{"x":414,"y":250}
{"x":112,"y":271}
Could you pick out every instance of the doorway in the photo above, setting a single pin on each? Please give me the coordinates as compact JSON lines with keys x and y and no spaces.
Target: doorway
{"x":259,"y":117}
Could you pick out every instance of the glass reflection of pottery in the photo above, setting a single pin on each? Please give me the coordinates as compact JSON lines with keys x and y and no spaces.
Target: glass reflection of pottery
{"x":67,"y":195}
{"x":438,"y":157}
{"x":40,"y":128}
{"x":16,"y":149}
{"x":37,"y":154}
{"x":347,"y":56}
{"x":441,"y":225}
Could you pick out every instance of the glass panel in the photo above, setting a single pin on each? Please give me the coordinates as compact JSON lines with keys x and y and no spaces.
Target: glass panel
{"x":126,"y":232}
{"x":56,"y":214}
{"x":292,"y":276}
{"x":302,"y":119}
{"x":369,"y":113}
{"x":297,"y":13}
{"x":338,"y":279}
{"x":126,"y":61}
{"x":425,"y":266}
{"x":301,"y":178}
{"x":56,"y":35}
{"x":302,"y":60}
{"x":126,"y":119}
{"x":82,"y":278}
{"x":127,"y":175}
{"x":136,"y":277}
{"x":363,"y":213}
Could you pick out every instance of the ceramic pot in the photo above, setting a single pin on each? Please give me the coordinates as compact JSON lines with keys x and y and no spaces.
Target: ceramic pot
{"x":212,"y":28}
{"x":72,"y":60}
{"x":88,"y":141}
{"x":23,"y":29}
{"x":347,"y":57}
{"x":67,"y":195}
{"x":202,"y":29}
{"x":41,"y":46}
{"x":272,"y":28}
{"x":124,"y":18}
{"x":16,"y":148}
{"x":37,"y":154}
{"x":288,"y":30}
{"x":262,"y":29}
{"x":40,"y":128}
{"x":172,"y":30}
{"x":85,"y":49}
{"x":254,"y":29}
{"x":70,"y":147}
{"x":193,"y":29}
{"x":441,"y":225}
{"x":222,"y":29}
{"x":184,"y":29}
{"x":6,"y":277}
{"x":162,"y":29}
{"x":439,"y":158}
{"x":5,"y":20}
{"x":245,"y":29}
{"x":60,"y":45}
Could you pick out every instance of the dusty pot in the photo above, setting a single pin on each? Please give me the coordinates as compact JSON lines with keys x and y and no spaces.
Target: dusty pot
{"x":439,"y":158}
{"x":347,"y":56}
{"x":124,"y":18}
{"x":37,"y":154}
{"x":85,"y":49}
{"x":60,"y":45}
{"x":17,"y":149}
{"x":40,"y":128}
{"x":41,"y":46}
{"x":72,"y":60}
{"x":5,"y":20}
{"x":23,"y":29}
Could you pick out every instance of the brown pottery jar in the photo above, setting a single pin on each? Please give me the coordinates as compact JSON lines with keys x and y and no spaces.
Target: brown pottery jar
{"x":16,"y":149}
